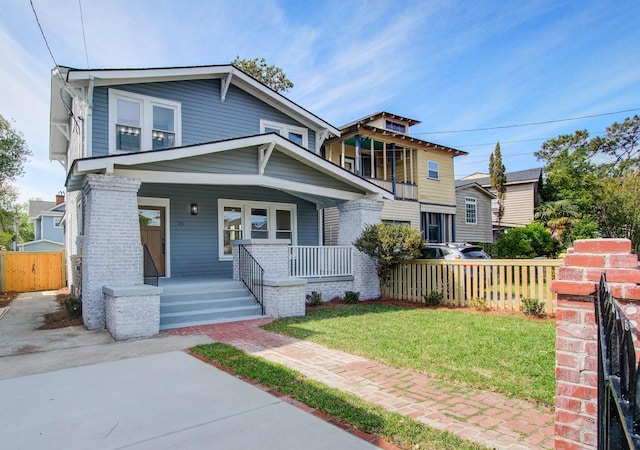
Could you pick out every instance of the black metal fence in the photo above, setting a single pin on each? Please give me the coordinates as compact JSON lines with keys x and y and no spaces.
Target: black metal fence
{"x":149,"y":269}
{"x":618,"y":376}
{"x":251,"y":274}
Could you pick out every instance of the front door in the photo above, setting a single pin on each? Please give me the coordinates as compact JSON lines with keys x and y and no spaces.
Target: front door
{"x":152,"y":234}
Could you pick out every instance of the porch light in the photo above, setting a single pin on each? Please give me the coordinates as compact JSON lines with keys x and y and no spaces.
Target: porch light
{"x":194,"y":209}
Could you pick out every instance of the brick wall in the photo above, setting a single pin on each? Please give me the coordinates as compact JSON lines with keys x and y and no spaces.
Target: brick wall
{"x":576,"y":332}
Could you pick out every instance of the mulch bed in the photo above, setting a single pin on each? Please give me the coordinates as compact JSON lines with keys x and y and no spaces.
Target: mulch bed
{"x":60,"y":318}
{"x":6,"y":298}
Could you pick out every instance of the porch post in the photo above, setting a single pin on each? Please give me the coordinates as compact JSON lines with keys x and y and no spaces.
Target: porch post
{"x":355,"y":215}
{"x":111,"y":253}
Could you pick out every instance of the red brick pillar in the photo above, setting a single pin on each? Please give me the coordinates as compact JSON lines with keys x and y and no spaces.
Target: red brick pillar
{"x":576,"y":332}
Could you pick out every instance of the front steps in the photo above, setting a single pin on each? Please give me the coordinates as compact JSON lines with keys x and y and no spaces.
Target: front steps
{"x":189,"y":302}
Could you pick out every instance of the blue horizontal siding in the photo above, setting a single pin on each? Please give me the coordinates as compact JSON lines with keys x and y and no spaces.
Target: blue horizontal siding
{"x":194,"y":239}
{"x":204,"y":117}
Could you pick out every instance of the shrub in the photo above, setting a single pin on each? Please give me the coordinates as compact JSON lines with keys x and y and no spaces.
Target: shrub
{"x":351,"y":297}
{"x":523,"y":242}
{"x":314,"y":299}
{"x":388,"y":245}
{"x":532,"y":307}
{"x":73,"y":305}
{"x":481,"y":304}
{"x":433,"y":299}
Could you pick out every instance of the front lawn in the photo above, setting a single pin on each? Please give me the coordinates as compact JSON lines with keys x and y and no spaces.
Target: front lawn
{"x":508,"y":354}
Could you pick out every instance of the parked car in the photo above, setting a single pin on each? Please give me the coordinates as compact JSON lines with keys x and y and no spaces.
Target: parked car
{"x":453,"y":251}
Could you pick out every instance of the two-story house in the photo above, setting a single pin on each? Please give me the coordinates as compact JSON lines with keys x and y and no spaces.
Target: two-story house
{"x":419,"y":173}
{"x":48,"y":230}
{"x":521,"y":197}
{"x":170,"y":168}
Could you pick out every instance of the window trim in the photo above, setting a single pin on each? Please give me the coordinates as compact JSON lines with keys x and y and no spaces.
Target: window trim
{"x":390,"y":124}
{"x":146,"y":123}
{"x":285,"y":129}
{"x":471,"y":201}
{"x":246,"y":206}
{"x":437,"y":170}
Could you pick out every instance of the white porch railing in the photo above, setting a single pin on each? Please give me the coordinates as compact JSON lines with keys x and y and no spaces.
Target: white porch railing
{"x":406,"y":191}
{"x":316,"y":262}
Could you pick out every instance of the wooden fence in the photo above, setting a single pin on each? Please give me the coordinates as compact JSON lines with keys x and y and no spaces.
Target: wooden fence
{"x":32,"y":271}
{"x":502,"y":283}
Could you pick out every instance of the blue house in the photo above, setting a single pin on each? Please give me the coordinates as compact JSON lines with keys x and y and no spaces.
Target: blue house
{"x":176,"y":173}
{"x":48,"y":229}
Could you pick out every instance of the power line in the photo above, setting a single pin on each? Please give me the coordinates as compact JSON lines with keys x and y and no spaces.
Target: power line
{"x":531,"y":123}
{"x":521,"y":140}
{"x":42,"y":32}
{"x":84,"y":37}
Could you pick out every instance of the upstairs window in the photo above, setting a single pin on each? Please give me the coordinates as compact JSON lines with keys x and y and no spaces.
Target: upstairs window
{"x":139,"y":122}
{"x":295,"y":134}
{"x":395,"y":126}
{"x":433,"y":170}
{"x":471,"y":210}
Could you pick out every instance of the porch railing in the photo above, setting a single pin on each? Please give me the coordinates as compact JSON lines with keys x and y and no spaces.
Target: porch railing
{"x":150,"y":271}
{"x":618,"y":376}
{"x":316,"y":262}
{"x":503,"y":283}
{"x":251,"y":274}
{"x":405,"y":191}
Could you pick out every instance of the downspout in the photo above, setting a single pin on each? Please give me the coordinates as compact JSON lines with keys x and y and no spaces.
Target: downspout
{"x":89,"y":119}
{"x":358,"y":156}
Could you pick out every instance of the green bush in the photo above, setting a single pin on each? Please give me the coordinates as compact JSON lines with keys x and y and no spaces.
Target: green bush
{"x":73,"y":306}
{"x":351,"y":297}
{"x":532,"y":307}
{"x":314,"y":299}
{"x":523,"y":243}
{"x":481,"y":304}
{"x":388,"y":245}
{"x":433,"y":299}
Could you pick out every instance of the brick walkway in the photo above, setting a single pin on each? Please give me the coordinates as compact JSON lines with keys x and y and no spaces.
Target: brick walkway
{"x":484,"y":417}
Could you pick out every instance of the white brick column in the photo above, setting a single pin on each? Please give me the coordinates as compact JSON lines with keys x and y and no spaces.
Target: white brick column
{"x":355,"y":215}
{"x":111,"y":253}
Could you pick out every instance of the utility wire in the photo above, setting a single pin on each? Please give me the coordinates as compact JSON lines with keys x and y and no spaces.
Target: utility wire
{"x":84,"y":37}
{"x":531,"y":123}
{"x":42,"y":32}
{"x":521,"y":140}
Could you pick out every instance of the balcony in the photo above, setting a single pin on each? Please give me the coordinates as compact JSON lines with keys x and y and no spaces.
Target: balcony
{"x":403,"y":191}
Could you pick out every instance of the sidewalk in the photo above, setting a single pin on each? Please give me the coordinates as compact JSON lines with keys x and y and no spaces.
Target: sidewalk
{"x":484,"y":417}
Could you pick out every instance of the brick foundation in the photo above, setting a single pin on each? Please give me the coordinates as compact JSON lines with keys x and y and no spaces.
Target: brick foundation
{"x":576,"y":332}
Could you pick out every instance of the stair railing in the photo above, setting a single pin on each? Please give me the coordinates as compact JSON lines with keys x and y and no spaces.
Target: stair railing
{"x":150,"y":271}
{"x":252,"y":274}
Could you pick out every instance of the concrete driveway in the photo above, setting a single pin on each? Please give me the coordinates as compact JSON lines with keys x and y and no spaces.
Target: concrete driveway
{"x":75,"y":389}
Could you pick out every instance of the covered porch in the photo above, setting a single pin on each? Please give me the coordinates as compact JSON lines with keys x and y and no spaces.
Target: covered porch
{"x":195,"y":203}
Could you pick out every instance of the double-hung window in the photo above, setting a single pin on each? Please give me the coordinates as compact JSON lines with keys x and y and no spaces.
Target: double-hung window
{"x":239,"y":219}
{"x":471,"y":210}
{"x":295,"y":134}
{"x":433,"y":170}
{"x":140,"y":122}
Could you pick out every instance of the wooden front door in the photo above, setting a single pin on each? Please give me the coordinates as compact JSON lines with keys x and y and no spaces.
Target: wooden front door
{"x":152,"y":234}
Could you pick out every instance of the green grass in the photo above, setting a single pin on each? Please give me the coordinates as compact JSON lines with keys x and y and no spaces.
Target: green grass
{"x":367,"y":417}
{"x":508,"y":354}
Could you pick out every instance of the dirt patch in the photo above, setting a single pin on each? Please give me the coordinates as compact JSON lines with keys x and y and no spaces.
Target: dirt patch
{"x":60,"y":318}
{"x":6,"y":298}
{"x":340,"y":302}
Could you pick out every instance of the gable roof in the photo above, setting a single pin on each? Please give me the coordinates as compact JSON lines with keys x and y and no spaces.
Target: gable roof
{"x":375,"y":115}
{"x":67,"y":80}
{"x":520,"y":176}
{"x":38,"y":206}
{"x":462,"y":184}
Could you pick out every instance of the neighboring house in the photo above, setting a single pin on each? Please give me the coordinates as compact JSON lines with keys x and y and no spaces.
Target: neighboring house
{"x":521,"y":198}
{"x":379,"y":148}
{"x":187,"y":161}
{"x":473,"y":216}
{"x":48,"y":230}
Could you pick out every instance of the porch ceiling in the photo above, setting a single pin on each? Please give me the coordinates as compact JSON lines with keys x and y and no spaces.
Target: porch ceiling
{"x":267,"y":160}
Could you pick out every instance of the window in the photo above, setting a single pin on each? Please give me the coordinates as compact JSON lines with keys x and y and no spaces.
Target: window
{"x":262,"y":220}
{"x":57,"y":222}
{"x":139,"y":122}
{"x":350,"y":164}
{"x":471,"y":210}
{"x":433,"y":170}
{"x":394,"y":126}
{"x":295,"y":134}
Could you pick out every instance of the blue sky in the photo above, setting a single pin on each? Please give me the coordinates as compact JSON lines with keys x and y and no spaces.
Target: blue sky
{"x":454,"y":65}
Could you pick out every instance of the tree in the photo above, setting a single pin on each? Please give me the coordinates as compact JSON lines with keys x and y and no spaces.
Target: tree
{"x":14,"y":153}
{"x":271,"y":76}
{"x":524,"y":243}
{"x":498,"y":179}
{"x":388,"y":245}
{"x":557,"y":216}
{"x":619,"y":209}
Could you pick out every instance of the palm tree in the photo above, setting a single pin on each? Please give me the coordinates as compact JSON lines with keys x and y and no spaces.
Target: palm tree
{"x":557,"y":216}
